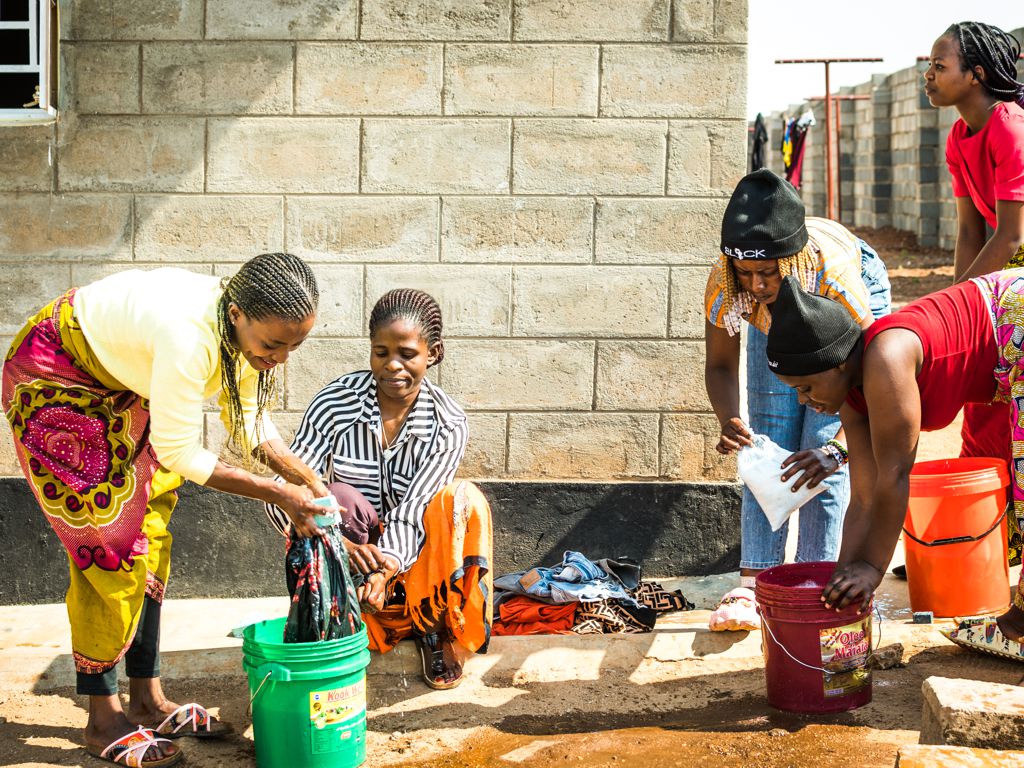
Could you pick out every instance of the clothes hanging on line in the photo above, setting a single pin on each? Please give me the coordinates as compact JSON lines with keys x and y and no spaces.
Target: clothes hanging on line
{"x":758,"y":143}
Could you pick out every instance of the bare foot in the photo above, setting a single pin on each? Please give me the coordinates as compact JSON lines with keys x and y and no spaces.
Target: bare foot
{"x":441,"y":660}
{"x":1011,"y":624}
{"x":108,"y":723}
{"x":149,"y":708}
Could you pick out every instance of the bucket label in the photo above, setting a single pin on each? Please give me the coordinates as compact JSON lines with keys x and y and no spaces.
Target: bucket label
{"x":844,"y":657}
{"x":330,"y":715}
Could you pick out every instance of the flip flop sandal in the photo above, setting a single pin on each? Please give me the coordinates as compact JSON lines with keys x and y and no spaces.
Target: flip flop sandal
{"x":984,"y":635}
{"x":192,"y":720}
{"x":432,"y":659}
{"x":737,"y":612}
{"x":130,"y":749}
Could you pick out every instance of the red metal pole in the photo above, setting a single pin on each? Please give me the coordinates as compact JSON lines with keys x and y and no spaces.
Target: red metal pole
{"x":829,"y":208}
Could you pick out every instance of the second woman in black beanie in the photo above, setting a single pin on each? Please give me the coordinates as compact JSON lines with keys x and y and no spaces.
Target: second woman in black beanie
{"x":765,"y":237}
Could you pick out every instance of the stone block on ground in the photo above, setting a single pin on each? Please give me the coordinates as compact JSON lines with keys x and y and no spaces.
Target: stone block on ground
{"x":972,"y":713}
{"x":929,"y":756}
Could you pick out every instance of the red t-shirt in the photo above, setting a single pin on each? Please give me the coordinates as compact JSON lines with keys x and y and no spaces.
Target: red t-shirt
{"x":955,"y":329}
{"x":989,"y":165}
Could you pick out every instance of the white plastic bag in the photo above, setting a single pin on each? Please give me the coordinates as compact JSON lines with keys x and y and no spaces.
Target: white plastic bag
{"x":760,"y":467}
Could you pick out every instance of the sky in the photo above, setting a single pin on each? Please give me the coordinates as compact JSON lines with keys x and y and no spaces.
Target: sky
{"x":897,"y":31}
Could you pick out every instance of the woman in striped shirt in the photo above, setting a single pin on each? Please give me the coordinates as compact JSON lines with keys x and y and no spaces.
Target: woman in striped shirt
{"x":388,"y":443}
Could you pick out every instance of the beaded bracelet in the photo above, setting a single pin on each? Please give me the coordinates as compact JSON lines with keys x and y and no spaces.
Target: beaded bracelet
{"x":841,"y":448}
{"x":833,"y":452}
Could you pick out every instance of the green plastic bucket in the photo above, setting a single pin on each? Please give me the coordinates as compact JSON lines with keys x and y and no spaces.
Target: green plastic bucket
{"x":308,"y":699}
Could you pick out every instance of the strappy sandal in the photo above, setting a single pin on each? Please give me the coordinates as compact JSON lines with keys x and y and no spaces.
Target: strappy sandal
{"x":192,"y":720}
{"x":431,"y":648}
{"x":130,"y":750}
{"x":983,"y":634}
{"x":736,"y":612}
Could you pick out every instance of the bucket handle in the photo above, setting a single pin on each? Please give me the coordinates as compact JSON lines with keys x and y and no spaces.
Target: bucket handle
{"x":785,"y":650}
{"x":958,"y":539}
{"x":277,"y":672}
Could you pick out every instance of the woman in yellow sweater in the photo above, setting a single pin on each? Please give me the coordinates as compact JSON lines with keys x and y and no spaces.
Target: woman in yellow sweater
{"x":104,"y":390}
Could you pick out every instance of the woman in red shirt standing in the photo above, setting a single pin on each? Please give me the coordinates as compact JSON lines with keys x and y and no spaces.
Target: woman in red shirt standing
{"x":973,"y":68}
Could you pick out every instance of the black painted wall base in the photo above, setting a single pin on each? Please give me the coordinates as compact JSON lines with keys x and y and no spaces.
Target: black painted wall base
{"x":224,"y":546}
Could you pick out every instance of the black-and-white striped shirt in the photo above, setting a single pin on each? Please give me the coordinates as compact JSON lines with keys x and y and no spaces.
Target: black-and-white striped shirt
{"x":339,"y":439}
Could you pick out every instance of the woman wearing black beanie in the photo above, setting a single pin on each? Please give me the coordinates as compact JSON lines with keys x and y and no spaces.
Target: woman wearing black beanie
{"x":909,"y":372}
{"x":766,"y":236}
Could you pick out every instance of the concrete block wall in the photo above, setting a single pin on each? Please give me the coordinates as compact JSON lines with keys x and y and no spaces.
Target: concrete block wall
{"x":893,"y":165}
{"x":554,"y":171}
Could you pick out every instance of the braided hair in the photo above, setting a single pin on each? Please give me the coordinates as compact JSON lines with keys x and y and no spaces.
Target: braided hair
{"x":271,"y":285}
{"x":418,"y":307}
{"x":737,"y":302}
{"x":996,"y":52}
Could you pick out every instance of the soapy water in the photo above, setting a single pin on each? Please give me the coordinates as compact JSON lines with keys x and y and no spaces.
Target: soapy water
{"x":810,"y":583}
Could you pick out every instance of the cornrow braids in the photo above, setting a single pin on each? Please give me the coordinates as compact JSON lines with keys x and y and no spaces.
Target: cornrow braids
{"x":738,"y":303}
{"x":271,"y":285}
{"x":996,"y":52}
{"x":417,"y":307}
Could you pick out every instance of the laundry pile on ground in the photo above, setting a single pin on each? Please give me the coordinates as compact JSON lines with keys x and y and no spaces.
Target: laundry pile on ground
{"x":581,"y":596}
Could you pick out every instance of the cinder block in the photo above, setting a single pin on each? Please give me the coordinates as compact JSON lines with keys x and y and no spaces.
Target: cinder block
{"x":921,"y":756}
{"x":317,"y":363}
{"x":651,"y":376}
{"x":673,"y":81}
{"x":26,"y":155}
{"x":362,"y":79}
{"x":517,"y":80}
{"x":517,"y":229}
{"x":706,"y":158}
{"x":246,"y":78}
{"x":210,"y":228}
{"x":100,"y":77}
{"x":474,"y":300}
{"x":520,"y":375}
{"x":341,"y":300}
{"x":485,"y":452}
{"x":604,"y":20}
{"x":85,"y":273}
{"x":590,"y":301}
{"x":731,"y":18}
{"x":283,"y":154}
{"x":216,"y":436}
{"x":653,"y":231}
{"x":693,"y":21}
{"x":688,"y":449}
{"x":436,"y":156}
{"x":436,"y":20}
{"x":41,"y":227}
{"x":363,"y":229}
{"x":972,"y":713}
{"x":583,"y":446}
{"x":580,"y":157}
{"x":27,"y":288}
{"x":152,"y":20}
{"x":141,"y":154}
{"x":283,"y":20}
{"x":686,"y":320}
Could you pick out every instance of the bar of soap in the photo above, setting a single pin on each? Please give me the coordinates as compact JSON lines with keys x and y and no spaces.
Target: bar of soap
{"x":923,"y":617}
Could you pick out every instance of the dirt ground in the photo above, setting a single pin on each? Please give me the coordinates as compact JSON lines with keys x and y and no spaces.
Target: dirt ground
{"x":709,"y":709}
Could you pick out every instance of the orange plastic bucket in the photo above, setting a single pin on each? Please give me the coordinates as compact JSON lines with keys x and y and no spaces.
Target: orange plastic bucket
{"x":954,"y":536}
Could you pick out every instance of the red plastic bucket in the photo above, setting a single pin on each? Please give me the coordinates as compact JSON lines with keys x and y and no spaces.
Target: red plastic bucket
{"x":955,"y":537}
{"x":815,"y":660}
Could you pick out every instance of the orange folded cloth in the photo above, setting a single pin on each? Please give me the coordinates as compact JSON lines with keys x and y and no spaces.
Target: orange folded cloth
{"x":522,"y":615}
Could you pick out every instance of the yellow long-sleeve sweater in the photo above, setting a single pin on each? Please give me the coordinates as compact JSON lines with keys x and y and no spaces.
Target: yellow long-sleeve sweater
{"x":155,"y":332}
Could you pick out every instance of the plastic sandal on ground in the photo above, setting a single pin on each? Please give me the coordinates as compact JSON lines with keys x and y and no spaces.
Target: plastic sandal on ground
{"x":736,"y":612}
{"x":431,"y":648}
{"x":983,"y":634}
{"x":192,"y":720}
{"x":130,"y":749}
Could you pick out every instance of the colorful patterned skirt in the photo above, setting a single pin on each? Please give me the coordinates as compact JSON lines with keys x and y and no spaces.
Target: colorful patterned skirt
{"x":83,"y":444}
{"x":1004,"y":296}
{"x":450,"y":584}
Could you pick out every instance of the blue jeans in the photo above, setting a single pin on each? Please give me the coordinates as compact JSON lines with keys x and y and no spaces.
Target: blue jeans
{"x":775,"y":412}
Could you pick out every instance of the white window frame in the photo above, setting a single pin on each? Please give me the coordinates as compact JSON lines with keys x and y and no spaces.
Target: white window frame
{"x":41,"y":16}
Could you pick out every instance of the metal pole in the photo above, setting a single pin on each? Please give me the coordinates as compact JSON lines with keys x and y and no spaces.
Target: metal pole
{"x":839,"y":158}
{"x":829,"y":207}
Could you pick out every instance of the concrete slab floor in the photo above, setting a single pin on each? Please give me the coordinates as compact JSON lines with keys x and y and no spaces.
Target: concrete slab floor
{"x":670,"y":697}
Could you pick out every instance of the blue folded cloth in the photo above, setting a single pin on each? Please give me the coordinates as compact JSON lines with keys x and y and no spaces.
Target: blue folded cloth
{"x":573,"y":580}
